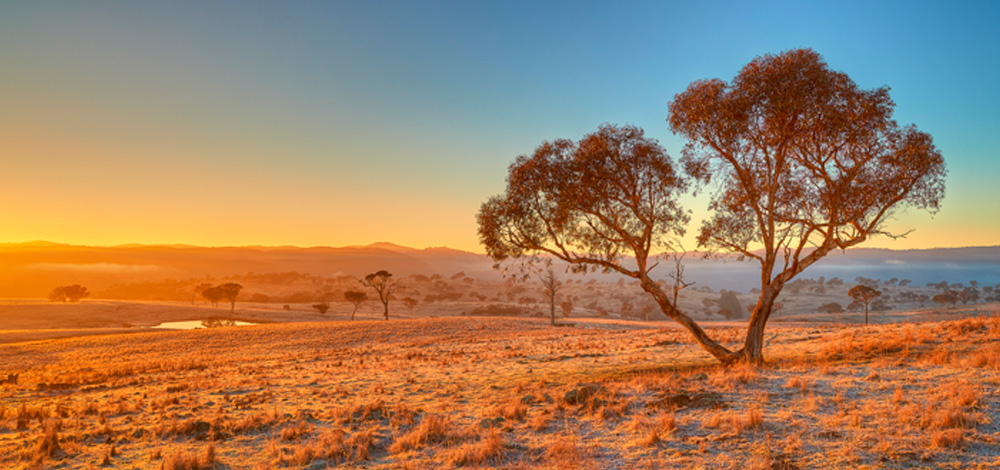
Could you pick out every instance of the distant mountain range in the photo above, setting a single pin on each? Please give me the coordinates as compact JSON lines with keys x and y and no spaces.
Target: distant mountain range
{"x":32,"y":269}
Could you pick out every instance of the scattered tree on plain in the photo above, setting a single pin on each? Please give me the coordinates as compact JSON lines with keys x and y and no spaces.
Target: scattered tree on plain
{"x":803,"y":162}
{"x":946,"y":298}
{"x":832,"y":307}
{"x":863,"y":294}
{"x":72,"y":293}
{"x":230,"y":291}
{"x":321,"y":307}
{"x":199,"y":290}
{"x":356,"y":298}
{"x":728,"y":302}
{"x":550,"y":287}
{"x":969,"y":294}
{"x":383,"y":285}
{"x":213,"y":295}
{"x":567,"y":308}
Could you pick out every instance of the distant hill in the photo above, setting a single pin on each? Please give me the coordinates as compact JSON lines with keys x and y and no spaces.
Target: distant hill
{"x":32,"y":269}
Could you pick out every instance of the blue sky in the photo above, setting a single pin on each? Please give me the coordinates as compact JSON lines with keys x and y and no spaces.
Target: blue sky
{"x":233,"y":123}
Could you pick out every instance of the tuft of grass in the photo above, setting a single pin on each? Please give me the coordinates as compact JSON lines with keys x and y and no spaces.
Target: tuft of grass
{"x":488,"y":449}
{"x":432,"y":429}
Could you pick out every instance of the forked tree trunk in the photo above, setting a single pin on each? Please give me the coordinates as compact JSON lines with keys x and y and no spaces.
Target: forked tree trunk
{"x":385,"y":311}
{"x":717,"y":350}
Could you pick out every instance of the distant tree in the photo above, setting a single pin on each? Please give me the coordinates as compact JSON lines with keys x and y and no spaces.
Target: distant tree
{"x":836,"y":281}
{"x":881,"y":305}
{"x":57,"y":294}
{"x":904,"y":282}
{"x":946,"y":298}
{"x":969,"y":294}
{"x":321,"y":307}
{"x":550,"y":288}
{"x":626,"y":309}
{"x":410,"y":303}
{"x":567,"y":308}
{"x":832,"y":307}
{"x":728,"y":301}
{"x":260,"y":298}
{"x":863,"y":294}
{"x":199,"y":290}
{"x":356,"y":298}
{"x":383,"y":285}
{"x":230,"y":291}
{"x":75,"y":292}
{"x":864,"y":281}
{"x":213,"y":295}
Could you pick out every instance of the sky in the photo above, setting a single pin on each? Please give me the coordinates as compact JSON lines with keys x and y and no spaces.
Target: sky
{"x":348,"y":123}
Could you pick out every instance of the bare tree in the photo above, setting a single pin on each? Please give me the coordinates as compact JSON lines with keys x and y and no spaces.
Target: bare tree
{"x":383,"y":285}
{"x":550,"y":287}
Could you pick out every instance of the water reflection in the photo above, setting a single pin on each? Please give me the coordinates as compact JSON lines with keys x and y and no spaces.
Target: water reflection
{"x":199,"y":324}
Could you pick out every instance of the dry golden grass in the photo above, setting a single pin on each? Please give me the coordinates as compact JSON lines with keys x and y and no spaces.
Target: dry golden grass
{"x":504,"y":393}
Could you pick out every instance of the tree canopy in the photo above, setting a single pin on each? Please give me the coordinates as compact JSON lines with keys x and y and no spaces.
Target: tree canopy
{"x":70,"y":293}
{"x":607,"y":202}
{"x":863,"y":294}
{"x":355,"y":298}
{"x":384,"y":285}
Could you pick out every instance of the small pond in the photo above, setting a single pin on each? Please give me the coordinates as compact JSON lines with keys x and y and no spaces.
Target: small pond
{"x":197,"y":324}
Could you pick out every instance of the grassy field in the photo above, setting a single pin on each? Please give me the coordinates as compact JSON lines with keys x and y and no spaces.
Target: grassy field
{"x":504,"y":393}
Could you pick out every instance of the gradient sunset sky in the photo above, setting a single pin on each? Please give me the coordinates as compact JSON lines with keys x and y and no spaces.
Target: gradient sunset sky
{"x":300,"y":123}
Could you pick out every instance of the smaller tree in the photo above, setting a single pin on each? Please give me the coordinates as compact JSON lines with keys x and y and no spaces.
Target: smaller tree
{"x":969,"y":294}
{"x":550,"y":287}
{"x":383,"y":285}
{"x":567,"y":308}
{"x":58,"y":294}
{"x":863,"y":294}
{"x":321,"y":307}
{"x":71,"y":293}
{"x":832,"y":307}
{"x":199,"y":290}
{"x":213,"y":295}
{"x":356,"y":298}
{"x":729,"y":301}
{"x":946,"y":298}
{"x":230,"y":291}
{"x":410,"y":303}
